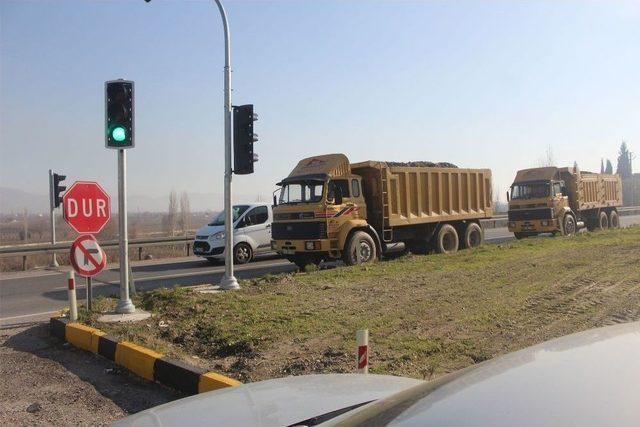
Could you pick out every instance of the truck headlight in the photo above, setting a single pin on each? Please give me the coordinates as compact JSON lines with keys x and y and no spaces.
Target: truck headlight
{"x":544,"y":223}
{"x":308,"y":246}
{"x":219,"y":235}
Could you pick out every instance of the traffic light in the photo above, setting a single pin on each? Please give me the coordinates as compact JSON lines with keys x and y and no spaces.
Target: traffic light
{"x":119,"y":123}
{"x":243,"y":139}
{"x":58,"y":189}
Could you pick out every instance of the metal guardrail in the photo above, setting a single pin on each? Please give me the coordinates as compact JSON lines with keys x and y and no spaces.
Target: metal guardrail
{"x":186,"y":240}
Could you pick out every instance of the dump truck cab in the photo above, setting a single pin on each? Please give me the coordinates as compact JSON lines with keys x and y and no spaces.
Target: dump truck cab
{"x":318,"y":205}
{"x":537,"y":204}
{"x":562,"y":200}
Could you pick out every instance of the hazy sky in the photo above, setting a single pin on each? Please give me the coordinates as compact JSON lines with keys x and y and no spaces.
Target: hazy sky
{"x":480,"y":84}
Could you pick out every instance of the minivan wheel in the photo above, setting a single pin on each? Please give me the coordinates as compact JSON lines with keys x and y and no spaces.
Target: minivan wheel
{"x":242,"y":253}
{"x":447,"y":240}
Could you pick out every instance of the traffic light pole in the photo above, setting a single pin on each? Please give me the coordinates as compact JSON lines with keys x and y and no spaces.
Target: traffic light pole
{"x":228,"y":280}
{"x":54,"y":260}
{"x":124,"y":306}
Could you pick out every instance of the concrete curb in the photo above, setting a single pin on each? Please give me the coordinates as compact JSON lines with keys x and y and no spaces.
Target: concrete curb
{"x":141,"y":361}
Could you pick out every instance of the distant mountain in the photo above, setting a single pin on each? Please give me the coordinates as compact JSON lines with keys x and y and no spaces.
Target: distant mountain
{"x":13,"y":200}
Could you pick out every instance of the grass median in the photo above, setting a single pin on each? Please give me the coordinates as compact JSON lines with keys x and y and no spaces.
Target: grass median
{"x":427,"y":315}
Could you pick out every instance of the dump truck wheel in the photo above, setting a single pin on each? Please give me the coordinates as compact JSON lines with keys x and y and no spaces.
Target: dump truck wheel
{"x":592,"y":224}
{"x":360,"y":249}
{"x":520,"y":236}
{"x":568,"y":225}
{"x":603,"y":221}
{"x":242,"y":253}
{"x":447,"y":240}
{"x":473,"y":236}
{"x":614,"y":220}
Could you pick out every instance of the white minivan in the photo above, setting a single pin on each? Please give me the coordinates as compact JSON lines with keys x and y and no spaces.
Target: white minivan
{"x":251,"y":234}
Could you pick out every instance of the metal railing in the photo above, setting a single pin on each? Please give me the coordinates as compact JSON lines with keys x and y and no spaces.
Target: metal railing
{"x":28,"y":249}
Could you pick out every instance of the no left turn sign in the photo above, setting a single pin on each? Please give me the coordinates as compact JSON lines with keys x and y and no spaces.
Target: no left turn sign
{"x":87,"y":257}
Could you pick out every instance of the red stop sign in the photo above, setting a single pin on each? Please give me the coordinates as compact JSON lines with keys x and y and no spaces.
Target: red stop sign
{"x":87,"y":207}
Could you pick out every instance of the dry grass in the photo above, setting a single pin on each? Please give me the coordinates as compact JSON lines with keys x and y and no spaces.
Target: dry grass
{"x":427,"y":315}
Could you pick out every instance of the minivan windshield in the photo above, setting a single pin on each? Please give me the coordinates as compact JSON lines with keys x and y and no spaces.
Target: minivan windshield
{"x":532,"y":190}
{"x":301,"y":192}
{"x":238,"y":210}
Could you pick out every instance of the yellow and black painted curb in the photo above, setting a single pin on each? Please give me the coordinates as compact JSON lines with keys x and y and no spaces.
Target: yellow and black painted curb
{"x":141,"y":361}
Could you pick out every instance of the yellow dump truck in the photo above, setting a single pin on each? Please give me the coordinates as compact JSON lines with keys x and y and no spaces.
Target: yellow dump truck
{"x":331,"y":209}
{"x":562,"y":200}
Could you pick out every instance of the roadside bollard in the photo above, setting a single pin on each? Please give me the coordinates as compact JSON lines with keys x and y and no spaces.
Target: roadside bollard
{"x":73,"y":305}
{"x":362,"y":341}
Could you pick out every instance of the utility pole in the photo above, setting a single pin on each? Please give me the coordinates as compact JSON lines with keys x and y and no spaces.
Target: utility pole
{"x":228,"y":280}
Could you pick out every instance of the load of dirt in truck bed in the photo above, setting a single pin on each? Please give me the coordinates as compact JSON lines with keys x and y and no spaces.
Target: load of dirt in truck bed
{"x":423,"y":164}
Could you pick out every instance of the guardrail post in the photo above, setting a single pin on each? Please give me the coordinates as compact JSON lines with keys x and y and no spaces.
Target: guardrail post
{"x":188,"y":248}
{"x":140,"y":253}
{"x":24,"y":263}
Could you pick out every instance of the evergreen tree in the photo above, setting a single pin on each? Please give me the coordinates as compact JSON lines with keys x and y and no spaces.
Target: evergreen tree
{"x":609,"y":168}
{"x":601,"y":165}
{"x":624,"y":161}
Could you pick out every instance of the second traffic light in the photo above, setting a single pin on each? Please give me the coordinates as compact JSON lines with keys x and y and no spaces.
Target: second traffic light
{"x":58,"y":189}
{"x":119,"y":120}
{"x":243,"y":139}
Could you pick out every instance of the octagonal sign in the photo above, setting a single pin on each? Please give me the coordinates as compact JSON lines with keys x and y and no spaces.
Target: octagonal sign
{"x":87,"y":207}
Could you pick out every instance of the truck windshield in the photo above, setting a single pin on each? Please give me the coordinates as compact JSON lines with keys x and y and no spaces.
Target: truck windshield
{"x":301,"y":192}
{"x":238,"y":210}
{"x":531,"y":190}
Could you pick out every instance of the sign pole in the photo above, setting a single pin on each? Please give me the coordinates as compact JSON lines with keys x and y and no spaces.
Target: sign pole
{"x":54,"y":260}
{"x":89,"y":294}
{"x":124,"y":306}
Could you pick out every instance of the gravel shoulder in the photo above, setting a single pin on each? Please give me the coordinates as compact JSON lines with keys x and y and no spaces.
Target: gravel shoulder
{"x":46,"y":382}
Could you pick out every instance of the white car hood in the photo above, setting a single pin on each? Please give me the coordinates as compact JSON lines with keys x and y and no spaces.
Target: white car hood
{"x":209,"y":230}
{"x":590,"y":378}
{"x":278,"y":402}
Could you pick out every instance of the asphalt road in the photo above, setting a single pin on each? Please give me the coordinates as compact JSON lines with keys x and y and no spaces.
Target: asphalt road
{"x":36,"y":295}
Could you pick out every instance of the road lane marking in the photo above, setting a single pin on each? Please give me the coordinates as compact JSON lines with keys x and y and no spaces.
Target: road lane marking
{"x":280,"y":263}
{"x":30,"y":315}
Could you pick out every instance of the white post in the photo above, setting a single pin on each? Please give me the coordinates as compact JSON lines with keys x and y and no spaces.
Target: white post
{"x":362,"y":341}
{"x":73,"y":304}
{"x":52,"y":205}
{"x":124,"y":306}
{"x":228,"y":280}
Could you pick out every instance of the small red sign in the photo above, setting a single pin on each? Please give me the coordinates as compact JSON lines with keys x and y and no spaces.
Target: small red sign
{"x":87,"y":207}
{"x":363,"y":357}
{"x":87,"y":257}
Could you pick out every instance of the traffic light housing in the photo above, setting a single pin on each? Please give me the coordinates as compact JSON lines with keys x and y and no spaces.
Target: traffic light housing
{"x":58,"y":189}
{"x":243,"y":139}
{"x":119,"y":119}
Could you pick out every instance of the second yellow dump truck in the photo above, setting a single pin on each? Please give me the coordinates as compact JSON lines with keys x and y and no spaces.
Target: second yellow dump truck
{"x":562,"y":200}
{"x":332,"y":209}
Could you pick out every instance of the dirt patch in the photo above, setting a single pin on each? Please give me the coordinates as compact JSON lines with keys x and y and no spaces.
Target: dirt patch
{"x":46,"y":382}
{"x":427,"y":315}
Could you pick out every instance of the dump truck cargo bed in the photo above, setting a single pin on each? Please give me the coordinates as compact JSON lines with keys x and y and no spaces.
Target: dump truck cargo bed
{"x":410,"y":195}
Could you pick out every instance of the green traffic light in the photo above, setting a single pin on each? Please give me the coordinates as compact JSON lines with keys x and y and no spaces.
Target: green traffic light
{"x":118,"y":134}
